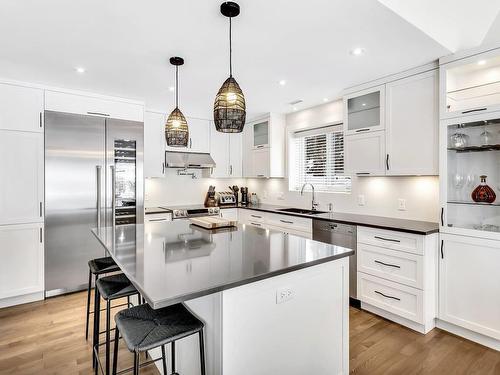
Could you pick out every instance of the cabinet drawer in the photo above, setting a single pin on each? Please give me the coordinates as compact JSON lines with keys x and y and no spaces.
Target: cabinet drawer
{"x":408,"y":242}
{"x":155,"y":218}
{"x":247,"y":216}
{"x":395,"y":298}
{"x":292,"y":222}
{"x":392,"y":265}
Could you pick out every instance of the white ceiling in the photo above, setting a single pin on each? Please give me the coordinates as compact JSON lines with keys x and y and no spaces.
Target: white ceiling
{"x":125,"y":45}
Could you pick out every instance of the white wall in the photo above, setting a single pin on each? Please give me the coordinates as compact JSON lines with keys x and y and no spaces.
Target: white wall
{"x":381,"y":193}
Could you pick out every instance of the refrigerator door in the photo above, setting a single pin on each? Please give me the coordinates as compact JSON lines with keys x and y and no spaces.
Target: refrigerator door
{"x":74,"y":170}
{"x":124,"y":172}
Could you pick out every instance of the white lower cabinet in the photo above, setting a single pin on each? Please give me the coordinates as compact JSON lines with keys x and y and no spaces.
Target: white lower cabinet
{"x":21,"y":260}
{"x":397,"y":276}
{"x":21,"y":168}
{"x":299,"y":226}
{"x":469,"y":284}
{"x":229,"y":213}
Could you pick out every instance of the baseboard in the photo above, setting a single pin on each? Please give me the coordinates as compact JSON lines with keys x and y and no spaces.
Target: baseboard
{"x":468,"y":334}
{"x":421,"y":328}
{"x":19,"y":300}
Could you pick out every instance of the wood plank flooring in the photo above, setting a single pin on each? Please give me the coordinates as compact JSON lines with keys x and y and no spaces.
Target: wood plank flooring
{"x":48,"y":338}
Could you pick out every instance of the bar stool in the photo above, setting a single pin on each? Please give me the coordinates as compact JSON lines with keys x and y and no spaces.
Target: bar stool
{"x":97,"y":267}
{"x":144,"y":328}
{"x":109,"y":288}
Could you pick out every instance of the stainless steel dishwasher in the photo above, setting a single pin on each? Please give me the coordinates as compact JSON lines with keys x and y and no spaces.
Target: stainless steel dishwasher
{"x":341,"y":235}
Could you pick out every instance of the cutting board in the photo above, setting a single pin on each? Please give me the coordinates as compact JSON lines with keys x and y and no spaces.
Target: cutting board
{"x":212,"y":222}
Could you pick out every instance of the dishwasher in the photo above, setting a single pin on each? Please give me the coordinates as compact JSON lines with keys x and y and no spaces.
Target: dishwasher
{"x":341,"y":235}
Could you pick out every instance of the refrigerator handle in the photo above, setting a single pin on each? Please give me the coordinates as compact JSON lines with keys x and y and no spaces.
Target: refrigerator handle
{"x":98,"y":181}
{"x":113,"y":194}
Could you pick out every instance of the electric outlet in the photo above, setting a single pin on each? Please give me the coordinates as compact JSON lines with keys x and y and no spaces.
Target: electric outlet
{"x":281,"y":196}
{"x":361,"y":200}
{"x":401,"y":204}
{"x":264,"y":194}
{"x":146,"y":197}
{"x":284,"y":295}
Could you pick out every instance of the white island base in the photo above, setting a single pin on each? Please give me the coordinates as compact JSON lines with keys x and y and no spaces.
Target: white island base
{"x":249,"y":333}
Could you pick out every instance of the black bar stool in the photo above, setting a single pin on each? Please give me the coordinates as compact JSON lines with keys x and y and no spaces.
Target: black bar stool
{"x":97,"y":267}
{"x":144,"y":328}
{"x":109,"y":288}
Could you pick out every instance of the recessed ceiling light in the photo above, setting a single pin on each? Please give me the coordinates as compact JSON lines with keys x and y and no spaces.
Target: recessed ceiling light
{"x":358,"y":51}
{"x":481,"y":62}
{"x":80,"y":70}
{"x":325,"y":99}
{"x":171,"y":88}
{"x":294,"y":109}
{"x":363,"y":104}
{"x":282,"y":82}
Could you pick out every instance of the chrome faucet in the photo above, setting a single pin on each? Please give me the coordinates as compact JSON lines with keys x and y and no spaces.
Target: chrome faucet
{"x":313,"y":202}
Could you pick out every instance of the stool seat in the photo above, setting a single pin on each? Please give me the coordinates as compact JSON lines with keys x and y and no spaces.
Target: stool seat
{"x":99,"y":266}
{"x":144,"y":328}
{"x":115,"y":286}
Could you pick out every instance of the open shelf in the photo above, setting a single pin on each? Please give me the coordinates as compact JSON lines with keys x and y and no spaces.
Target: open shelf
{"x":475,"y":148}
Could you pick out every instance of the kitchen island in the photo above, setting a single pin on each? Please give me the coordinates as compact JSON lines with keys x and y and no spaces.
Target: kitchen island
{"x":272,"y":303}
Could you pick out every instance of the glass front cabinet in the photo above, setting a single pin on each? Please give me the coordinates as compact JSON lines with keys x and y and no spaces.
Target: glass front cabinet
{"x":470,"y":174}
{"x":364,"y":111}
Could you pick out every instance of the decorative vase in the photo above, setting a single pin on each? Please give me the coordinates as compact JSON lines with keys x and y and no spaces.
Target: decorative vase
{"x":483,"y":193}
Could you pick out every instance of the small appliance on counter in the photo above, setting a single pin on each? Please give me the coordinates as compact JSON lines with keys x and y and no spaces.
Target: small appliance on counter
{"x":254,"y":199}
{"x":235,"y":189}
{"x":244,"y":196}
{"x":226,"y":198}
{"x":210,"y":200}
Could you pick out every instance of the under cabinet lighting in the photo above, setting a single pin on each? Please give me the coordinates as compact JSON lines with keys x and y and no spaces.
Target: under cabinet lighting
{"x":80,"y":70}
{"x":325,"y":99}
{"x":358,"y":51}
{"x":282,"y":82}
{"x":171,"y":88}
{"x":481,"y":62}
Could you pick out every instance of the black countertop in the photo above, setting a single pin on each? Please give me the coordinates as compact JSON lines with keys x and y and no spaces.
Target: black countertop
{"x":402,"y":225}
{"x":171,"y":262}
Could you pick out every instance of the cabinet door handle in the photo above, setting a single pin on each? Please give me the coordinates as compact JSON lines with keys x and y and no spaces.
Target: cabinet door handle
{"x":258,"y":217}
{"x":41,"y":210}
{"x":41,"y":236}
{"x":190,"y":143}
{"x":362,"y":173}
{"x":386,"y":239}
{"x":386,"y":296}
{"x":259,"y":146}
{"x":162,"y":219}
{"x":260,"y":175}
{"x":163,"y":168}
{"x":41,"y":119}
{"x":442,"y":216}
{"x":231,"y":170}
{"x":362,"y":130}
{"x":98,"y":114}
{"x":257,"y":224}
{"x":286,"y":221}
{"x":442,"y":246}
{"x":474,"y":110}
{"x":387,"y":264}
{"x":387,"y":162}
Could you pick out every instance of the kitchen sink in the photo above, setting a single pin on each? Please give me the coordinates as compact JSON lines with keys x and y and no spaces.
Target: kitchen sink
{"x":302,"y":211}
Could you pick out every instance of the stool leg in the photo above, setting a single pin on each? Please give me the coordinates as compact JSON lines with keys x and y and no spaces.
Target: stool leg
{"x":136,"y":363}
{"x":97,"y":307}
{"x":164,"y":360}
{"x":115,"y":350}
{"x":108,"y":323}
{"x":88,"y":306}
{"x":202,"y":353}
{"x":173,"y":356}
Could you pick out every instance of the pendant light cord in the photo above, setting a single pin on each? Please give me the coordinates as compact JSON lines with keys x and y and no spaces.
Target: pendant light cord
{"x":230,"y":51}
{"x":176,"y":86}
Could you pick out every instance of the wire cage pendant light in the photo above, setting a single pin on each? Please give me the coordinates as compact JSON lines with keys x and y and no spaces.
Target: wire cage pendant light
{"x":229,"y":106}
{"x":176,"y":127}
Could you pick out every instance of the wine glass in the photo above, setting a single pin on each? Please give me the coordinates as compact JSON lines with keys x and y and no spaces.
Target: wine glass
{"x":486,"y":137}
{"x":470,"y":182}
{"x":458,"y":182}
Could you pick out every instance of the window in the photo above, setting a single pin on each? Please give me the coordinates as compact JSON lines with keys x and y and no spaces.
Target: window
{"x":317,"y":156}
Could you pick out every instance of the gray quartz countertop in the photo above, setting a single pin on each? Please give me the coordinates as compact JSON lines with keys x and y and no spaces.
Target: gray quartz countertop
{"x":171,"y":262}
{"x":402,"y":225}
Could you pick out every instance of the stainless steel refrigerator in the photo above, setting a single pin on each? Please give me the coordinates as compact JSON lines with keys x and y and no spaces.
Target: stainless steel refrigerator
{"x":93,"y":177}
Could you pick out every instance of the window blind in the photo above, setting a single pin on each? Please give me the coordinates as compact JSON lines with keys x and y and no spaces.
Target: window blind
{"x":318,"y":158}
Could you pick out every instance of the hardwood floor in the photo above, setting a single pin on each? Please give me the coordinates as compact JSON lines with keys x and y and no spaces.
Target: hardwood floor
{"x":48,"y":338}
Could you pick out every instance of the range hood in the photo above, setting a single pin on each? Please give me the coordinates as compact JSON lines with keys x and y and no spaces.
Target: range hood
{"x":179,"y":159}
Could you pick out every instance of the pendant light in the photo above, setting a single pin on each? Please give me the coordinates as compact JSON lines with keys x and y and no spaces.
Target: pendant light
{"x":176,"y":128}
{"x":229,"y":106}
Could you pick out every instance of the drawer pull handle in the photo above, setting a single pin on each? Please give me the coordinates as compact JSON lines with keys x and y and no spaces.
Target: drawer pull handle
{"x":474,"y":110}
{"x":387,"y":264}
{"x":257,"y":224}
{"x":98,"y":114}
{"x":386,"y":296}
{"x":362,"y":130}
{"x":258,"y":217}
{"x":163,"y":219}
{"x":286,"y":221}
{"x":386,"y":239}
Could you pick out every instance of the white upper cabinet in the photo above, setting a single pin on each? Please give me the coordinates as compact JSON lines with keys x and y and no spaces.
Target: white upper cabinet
{"x":264,"y":137}
{"x":21,"y":259}
{"x":21,"y":171}
{"x":199,"y":135}
{"x":469,"y":284}
{"x":93,"y":106}
{"x":364,"y":111}
{"x":21,"y":108}
{"x":470,"y":85}
{"x":154,"y":144}
{"x":235,"y":155}
{"x":365,"y":154}
{"x":412,"y":136}
{"x":219,"y":150}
